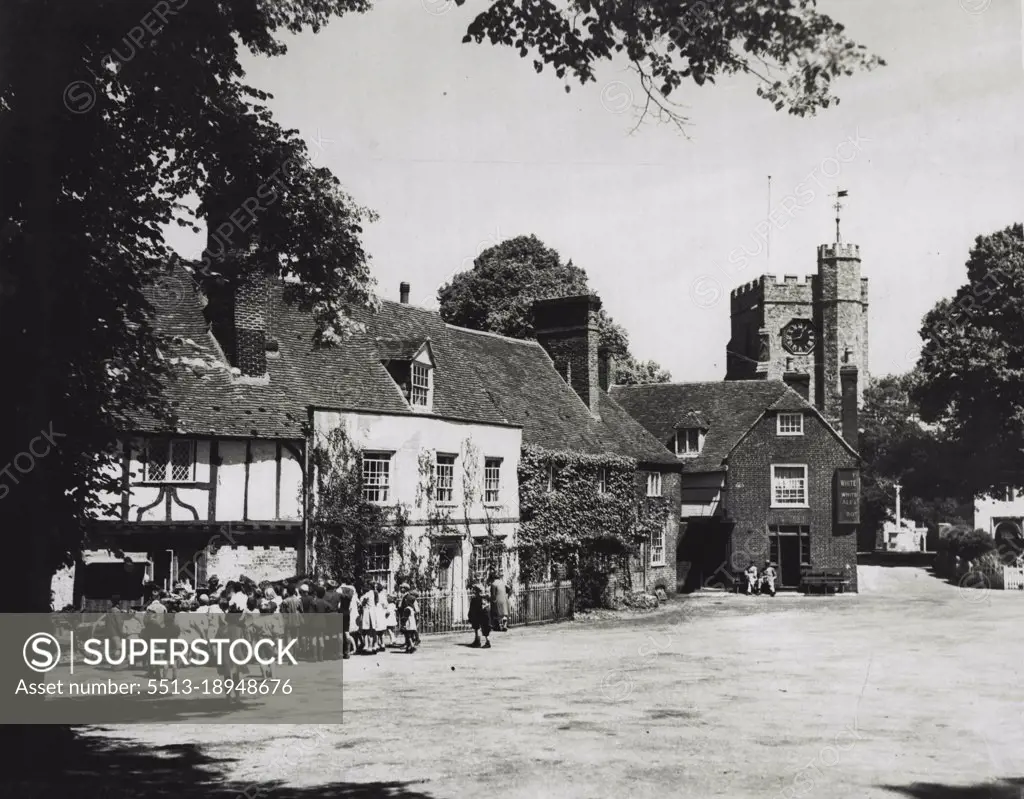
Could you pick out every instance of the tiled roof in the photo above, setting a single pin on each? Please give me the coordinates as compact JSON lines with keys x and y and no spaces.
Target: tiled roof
{"x":522,"y":381}
{"x":204,"y":396}
{"x":208,"y":399}
{"x":731,"y":408}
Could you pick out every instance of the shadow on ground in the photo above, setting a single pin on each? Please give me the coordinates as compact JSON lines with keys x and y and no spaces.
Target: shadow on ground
{"x":1003,"y":789}
{"x":58,"y":761}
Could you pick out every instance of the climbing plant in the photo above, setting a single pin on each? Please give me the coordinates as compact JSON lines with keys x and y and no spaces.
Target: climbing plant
{"x":343,"y":523}
{"x":583,"y":514}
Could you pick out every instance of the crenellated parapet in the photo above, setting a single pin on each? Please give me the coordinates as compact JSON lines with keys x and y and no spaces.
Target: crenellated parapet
{"x":830,"y":251}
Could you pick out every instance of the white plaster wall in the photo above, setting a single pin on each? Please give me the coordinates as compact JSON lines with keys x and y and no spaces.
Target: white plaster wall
{"x":407,"y":437}
{"x":263,"y":481}
{"x":701,"y":494}
{"x":231,"y":481}
{"x":291,"y":486}
{"x":198,"y":498}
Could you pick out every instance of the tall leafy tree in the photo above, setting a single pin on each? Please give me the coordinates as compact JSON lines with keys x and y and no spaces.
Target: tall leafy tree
{"x":498,"y":293}
{"x":972,"y":364}
{"x":121,"y":115}
{"x":898,"y":446}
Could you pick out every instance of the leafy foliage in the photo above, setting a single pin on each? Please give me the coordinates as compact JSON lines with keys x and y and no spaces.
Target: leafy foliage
{"x":109,"y":137}
{"x":498,"y":293}
{"x":972,"y":364}
{"x":792,"y":50}
{"x":343,"y":524}
{"x":898,"y":447}
{"x":576,"y":525}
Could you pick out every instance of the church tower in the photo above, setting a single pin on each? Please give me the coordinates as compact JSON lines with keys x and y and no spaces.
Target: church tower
{"x":810,"y":332}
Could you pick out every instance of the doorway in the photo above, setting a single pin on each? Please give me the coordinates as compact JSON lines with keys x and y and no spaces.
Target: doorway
{"x":790,"y":550}
{"x":702,"y":555}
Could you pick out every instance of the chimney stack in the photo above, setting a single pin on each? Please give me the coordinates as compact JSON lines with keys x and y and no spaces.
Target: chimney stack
{"x":605,"y":369}
{"x":238,"y":308}
{"x":403,"y":293}
{"x":848,"y":390}
{"x":567,"y":328}
{"x":800,"y":382}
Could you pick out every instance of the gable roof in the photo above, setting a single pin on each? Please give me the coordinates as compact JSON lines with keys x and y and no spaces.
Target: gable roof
{"x":521,"y":380}
{"x":731,"y":407}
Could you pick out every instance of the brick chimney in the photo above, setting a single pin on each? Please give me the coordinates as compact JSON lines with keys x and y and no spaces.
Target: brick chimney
{"x":238,"y":311}
{"x":605,"y":368}
{"x":567,"y":328}
{"x":800,"y":382}
{"x":848,"y":391}
{"x":403,"y":293}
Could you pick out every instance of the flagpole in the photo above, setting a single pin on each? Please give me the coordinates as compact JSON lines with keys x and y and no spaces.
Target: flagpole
{"x":768,"y":219}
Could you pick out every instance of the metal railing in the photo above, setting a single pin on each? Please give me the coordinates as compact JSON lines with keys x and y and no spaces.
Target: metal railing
{"x":448,"y":611}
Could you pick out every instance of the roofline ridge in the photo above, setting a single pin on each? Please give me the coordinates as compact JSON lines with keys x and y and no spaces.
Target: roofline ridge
{"x":532,"y":341}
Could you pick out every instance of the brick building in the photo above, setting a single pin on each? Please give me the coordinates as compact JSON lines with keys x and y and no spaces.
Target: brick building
{"x":804,"y":330}
{"x":761,"y":476}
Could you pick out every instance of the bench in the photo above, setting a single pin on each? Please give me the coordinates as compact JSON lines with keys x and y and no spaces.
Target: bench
{"x":828,"y":580}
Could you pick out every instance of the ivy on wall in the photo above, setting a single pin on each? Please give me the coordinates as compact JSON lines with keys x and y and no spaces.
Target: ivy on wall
{"x":573,"y":517}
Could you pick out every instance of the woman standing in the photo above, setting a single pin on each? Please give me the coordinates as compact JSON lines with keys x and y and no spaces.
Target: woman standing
{"x":499,"y":603}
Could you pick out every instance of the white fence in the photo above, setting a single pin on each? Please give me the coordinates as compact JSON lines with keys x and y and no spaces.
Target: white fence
{"x":1013,"y":578}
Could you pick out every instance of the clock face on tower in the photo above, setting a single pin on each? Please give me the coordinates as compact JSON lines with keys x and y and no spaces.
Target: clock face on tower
{"x":799,"y":337}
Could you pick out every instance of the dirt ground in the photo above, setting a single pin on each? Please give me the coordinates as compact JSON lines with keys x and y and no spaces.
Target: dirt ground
{"x":912,"y":688}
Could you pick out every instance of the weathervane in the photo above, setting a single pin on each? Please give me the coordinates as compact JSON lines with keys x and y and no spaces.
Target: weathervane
{"x":839,"y":207}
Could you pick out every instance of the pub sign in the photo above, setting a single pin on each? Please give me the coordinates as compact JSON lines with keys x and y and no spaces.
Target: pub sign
{"x":847,"y":496}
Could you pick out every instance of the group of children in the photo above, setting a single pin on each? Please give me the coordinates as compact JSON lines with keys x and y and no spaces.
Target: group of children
{"x":377,"y":615}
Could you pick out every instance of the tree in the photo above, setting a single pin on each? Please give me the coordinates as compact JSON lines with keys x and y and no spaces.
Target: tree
{"x":113,"y":124}
{"x":898,"y":447}
{"x":498,"y":293}
{"x":793,"y":51}
{"x":972,"y":364}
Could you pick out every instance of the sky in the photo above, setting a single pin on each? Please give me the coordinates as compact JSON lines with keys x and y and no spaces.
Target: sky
{"x":460,"y":146}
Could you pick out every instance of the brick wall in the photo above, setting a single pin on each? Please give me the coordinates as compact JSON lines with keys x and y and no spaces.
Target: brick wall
{"x":257,"y":562}
{"x":567,"y":327}
{"x":748,"y":493}
{"x":642,"y":573}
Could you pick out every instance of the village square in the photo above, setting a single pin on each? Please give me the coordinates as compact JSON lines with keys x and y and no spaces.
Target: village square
{"x":616,"y":446}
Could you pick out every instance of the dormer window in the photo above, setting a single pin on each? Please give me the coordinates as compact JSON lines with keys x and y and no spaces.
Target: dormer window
{"x":689,"y":442}
{"x":421,"y":384}
{"x":410,"y":362}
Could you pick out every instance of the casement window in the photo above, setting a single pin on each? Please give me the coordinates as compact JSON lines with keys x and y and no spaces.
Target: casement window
{"x":420,"y":395}
{"x":790,"y":424}
{"x":789,"y":486}
{"x":602,"y":480}
{"x":376,"y":476}
{"x":654,"y":484}
{"x":444,"y":479}
{"x":1007,"y":494}
{"x":377,"y":564}
{"x":689,"y":442}
{"x":485,"y":558}
{"x":492,"y":481}
{"x":171,"y":461}
{"x":657,"y":545}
